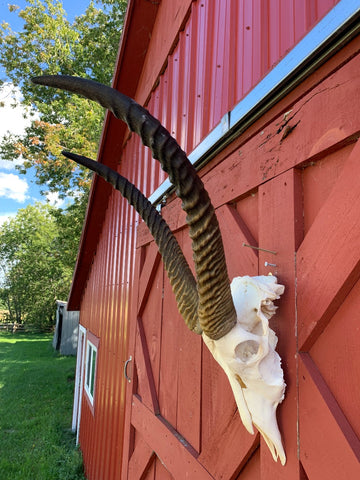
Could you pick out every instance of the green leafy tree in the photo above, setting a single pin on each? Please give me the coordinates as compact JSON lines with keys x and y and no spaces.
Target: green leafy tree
{"x":50,"y":44}
{"x":38,"y":248}
{"x":35,"y":270}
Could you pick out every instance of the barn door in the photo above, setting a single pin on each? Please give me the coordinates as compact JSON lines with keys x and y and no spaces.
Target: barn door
{"x":182,"y":420}
{"x":166,"y":358}
{"x":328,"y":300}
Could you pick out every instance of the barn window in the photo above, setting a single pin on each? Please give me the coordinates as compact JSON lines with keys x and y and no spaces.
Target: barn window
{"x":90,"y":369}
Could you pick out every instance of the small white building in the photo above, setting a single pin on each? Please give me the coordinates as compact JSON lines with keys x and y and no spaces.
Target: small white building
{"x":66,"y":330}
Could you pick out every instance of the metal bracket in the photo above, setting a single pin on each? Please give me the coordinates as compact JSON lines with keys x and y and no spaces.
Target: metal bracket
{"x":161,"y":204}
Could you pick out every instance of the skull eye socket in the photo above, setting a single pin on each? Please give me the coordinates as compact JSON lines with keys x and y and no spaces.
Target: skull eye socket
{"x":247,"y":350}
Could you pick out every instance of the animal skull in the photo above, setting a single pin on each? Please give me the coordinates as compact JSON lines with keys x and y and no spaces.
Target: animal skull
{"x":248,"y":357}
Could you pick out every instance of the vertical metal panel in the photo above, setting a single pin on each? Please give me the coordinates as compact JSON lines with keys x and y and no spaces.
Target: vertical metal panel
{"x":105,"y":309}
{"x":225,"y":49}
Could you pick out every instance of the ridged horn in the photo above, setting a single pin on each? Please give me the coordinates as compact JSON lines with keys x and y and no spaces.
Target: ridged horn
{"x":216,"y":312}
{"x":181,"y":278}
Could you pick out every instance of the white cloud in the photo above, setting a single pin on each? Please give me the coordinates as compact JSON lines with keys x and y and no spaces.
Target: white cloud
{"x":9,"y":165}
{"x":53,"y":199}
{"x":4,"y":217}
{"x":13,"y":187}
{"x":12,"y":118}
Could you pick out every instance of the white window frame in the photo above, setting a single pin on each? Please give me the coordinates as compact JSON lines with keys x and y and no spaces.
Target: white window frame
{"x":90,"y":370}
{"x":79,"y":381}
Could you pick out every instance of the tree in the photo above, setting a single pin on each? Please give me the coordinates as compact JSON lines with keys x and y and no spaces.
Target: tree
{"x":38,"y":248}
{"x":50,"y":44}
{"x":35,"y":270}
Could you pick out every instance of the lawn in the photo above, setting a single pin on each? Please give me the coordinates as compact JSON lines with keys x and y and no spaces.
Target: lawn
{"x":36,"y":395}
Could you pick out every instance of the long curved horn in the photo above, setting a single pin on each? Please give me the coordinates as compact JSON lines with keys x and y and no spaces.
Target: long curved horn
{"x":181,"y":278}
{"x":217,"y":315}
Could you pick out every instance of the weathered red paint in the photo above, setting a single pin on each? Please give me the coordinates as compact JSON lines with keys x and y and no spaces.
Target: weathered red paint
{"x":206,"y":59}
{"x":276,"y":197}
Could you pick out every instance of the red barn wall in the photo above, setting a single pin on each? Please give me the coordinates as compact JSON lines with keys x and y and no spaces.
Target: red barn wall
{"x":203,"y":57}
{"x":297,"y":194}
{"x":224,"y":50}
{"x":105,"y":313}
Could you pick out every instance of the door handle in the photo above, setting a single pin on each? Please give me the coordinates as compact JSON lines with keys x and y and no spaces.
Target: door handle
{"x":125,"y":369}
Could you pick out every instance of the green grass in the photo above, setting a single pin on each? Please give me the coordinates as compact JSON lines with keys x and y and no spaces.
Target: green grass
{"x":36,"y":396}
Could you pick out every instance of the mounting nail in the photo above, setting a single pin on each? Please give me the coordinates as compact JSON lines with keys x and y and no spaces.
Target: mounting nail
{"x":267,"y":264}
{"x":258,"y":248}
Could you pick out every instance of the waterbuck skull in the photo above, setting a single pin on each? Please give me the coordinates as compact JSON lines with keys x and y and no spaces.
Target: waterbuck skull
{"x":233,"y":321}
{"x":248,"y":357}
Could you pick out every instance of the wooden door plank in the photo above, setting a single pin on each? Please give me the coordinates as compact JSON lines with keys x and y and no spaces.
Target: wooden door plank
{"x":234,"y":231}
{"x":128,"y":430}
{"x":143,"y":235}
{"x":140,"y":460}
{"x":189,"y":387}
{"x":329,"y":448}
{"x":174,"y":215}
{"x":328,"y":261}
{"x":148,"y":272}
{"x":251,"y":471}
{"x":152,"y":323}
{"x":174,"y":452}
{"x":227,"y":465}
{"x":169,"y":358}
{"x":144,"y":370}
{"x":318,"y":180}
{"x":280,"y":228}
{"x":336,"y":354}
{"x":189,"y":383}
{"x":160,"y":471}
{"x":217,"y":403}
{"x":189,"y":355}
{"x":180,"y":369}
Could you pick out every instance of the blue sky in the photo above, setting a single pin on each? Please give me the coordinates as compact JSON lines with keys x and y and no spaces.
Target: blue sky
{"x":16,"y":190}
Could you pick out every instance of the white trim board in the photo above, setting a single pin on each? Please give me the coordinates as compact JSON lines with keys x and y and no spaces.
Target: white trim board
{"x":79,"y":382}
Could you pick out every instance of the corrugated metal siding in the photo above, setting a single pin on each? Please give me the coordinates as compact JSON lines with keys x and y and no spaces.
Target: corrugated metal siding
{"x":105,"y":309}
{"x":224,"y":50}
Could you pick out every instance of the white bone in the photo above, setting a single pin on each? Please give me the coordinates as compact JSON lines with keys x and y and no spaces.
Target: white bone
{"x":247,"y":355}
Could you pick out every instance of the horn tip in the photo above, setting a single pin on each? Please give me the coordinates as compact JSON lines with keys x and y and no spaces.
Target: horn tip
{"x":66,"y":153}
{"x":38,"y":79}
{"x":70,"y":155}
{"x":47,"y":80}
